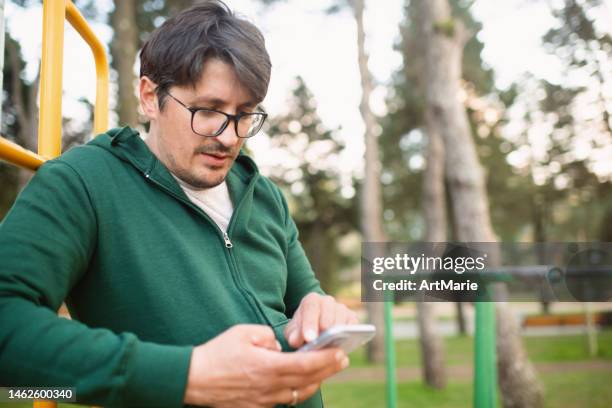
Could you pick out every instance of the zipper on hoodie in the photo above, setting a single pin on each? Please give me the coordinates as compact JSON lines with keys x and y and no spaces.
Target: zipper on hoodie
{"x":240,"y":284}
{"x":230,"y":228}
{"x":228,"y":242}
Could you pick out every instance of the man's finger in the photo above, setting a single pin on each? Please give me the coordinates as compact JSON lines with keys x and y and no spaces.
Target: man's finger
{"x":310,"y":319}
{"x":345,"y":315}
{"x":256,"y":333}
{"x":294,"y":380}
{"x":286,"y":395}
{"x":290,"y":327}
{"x":293,"y":325}
{"x":306,"y":392}
{"x":270,"y":344}
{"x":329,"y":312}
{"x":305,"y":363}
{"x":293,"y":334}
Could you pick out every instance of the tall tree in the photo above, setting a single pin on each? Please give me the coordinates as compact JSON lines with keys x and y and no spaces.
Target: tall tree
{"x":404,"y":139}
{"x":307,"y":170}
{"x":371,"y":214}
{"x":9,"y":175}
{"x":23,"y":109}
{"x":444,"y":39}
{"x":566,"y":129}
{"x":371,"y":195}
{"x":434,"y":209}
{"x":582,"y":47}
{"x":408,"y":141}
{"x":370,"y":190}
{"x":131,"y":21}
{"x":123,"y":47}
{"x":571,"y":176}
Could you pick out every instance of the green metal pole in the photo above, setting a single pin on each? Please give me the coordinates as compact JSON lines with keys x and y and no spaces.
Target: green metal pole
{"x":485,"y":358}
{"x":390,"y":352}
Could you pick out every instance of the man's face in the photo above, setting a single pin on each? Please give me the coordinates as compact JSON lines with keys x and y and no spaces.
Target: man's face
{"x":202,"y":162}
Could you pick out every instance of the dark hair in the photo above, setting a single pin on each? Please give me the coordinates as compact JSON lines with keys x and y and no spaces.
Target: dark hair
{"x":176,"y":52}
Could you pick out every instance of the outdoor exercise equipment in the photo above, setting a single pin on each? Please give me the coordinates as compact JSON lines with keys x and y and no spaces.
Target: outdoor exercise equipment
{"x":51,"y":69}
{"x":485,"y":357}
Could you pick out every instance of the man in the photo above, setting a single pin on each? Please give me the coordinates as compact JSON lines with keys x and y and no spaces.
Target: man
{"x":179,"y":263}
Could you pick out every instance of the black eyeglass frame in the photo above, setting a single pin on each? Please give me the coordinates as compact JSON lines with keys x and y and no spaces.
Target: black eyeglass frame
{"x":228,"y":116}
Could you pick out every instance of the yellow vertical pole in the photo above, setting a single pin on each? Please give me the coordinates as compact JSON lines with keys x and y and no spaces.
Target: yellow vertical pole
{"x":51,"y":71}
{"x":50,"y":121}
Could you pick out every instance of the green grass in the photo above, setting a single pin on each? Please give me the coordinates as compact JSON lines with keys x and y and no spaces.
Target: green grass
{"x":577,"y":390}
{"x":411,"y":394}
{"x":563,"y":390}
{"x":459,"y":350}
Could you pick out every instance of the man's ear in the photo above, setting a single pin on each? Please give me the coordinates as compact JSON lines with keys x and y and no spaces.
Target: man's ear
{"x":148,"y":98}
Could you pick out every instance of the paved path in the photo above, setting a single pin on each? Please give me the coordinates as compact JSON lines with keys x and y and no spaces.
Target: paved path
{"x":463,"y":372}
{"x":448,"y":328}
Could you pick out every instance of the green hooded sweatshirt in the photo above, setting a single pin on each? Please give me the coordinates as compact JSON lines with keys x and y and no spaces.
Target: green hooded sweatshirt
{"x":145,"y":273}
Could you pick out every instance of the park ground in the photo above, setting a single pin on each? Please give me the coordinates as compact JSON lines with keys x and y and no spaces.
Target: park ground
{"x":571,"y":378}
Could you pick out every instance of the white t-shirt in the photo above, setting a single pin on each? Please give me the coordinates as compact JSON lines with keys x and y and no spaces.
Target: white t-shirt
{"x":214,"y":201}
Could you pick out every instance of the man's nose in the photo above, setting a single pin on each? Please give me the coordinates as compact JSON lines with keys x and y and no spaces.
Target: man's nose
{"x":228,"y":137}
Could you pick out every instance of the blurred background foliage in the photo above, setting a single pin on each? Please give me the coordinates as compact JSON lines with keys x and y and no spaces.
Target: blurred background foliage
{"x":544,"y":146}
{"x":542,"y":179}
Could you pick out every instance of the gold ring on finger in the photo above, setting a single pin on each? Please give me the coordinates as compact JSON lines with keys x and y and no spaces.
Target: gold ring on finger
{"x":294,"y":396}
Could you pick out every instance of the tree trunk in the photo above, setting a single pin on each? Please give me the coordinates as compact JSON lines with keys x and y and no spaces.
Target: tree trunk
{"x":461,"y":324}
{"x":434,"y":210}
{"x":318,"y":248}
{"x":371,"y":196}
{"x":26,"y":109}
{"x":124,"y":46}
{"x":539,"y":235}
{"x":445,"y":39}
{"x":452,"y":236}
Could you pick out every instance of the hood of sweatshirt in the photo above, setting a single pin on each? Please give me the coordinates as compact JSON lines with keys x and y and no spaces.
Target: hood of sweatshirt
{"x":128,"y":145}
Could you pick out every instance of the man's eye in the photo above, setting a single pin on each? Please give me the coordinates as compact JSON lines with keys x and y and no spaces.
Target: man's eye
{"x":209,"y":114}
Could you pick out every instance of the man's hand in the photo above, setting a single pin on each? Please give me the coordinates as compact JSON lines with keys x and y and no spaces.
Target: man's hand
{"x":244,"y":368}
{"x":315,"y":314}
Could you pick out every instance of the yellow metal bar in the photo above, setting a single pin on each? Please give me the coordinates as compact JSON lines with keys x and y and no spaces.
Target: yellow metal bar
{"x":17,"y":155}
{"x":75,"y":18}
{"x":50,"y":121}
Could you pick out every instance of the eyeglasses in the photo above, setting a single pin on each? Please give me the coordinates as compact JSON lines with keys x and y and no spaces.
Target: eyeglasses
{"x":211,"y":122}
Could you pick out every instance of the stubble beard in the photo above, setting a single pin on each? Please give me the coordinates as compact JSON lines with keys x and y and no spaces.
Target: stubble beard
{"x":212,"y":179}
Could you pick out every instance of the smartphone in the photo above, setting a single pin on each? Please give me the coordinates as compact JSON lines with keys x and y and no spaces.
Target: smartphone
{"x":347,"y":337}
